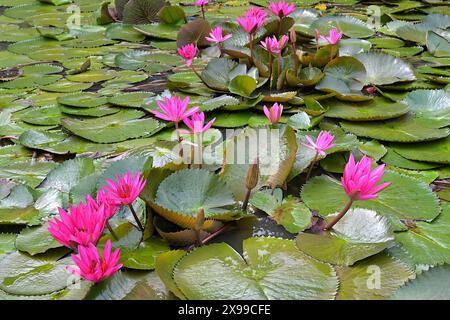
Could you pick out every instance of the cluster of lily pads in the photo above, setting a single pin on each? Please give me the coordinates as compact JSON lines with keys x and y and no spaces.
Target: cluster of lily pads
{"x":84,"y":94}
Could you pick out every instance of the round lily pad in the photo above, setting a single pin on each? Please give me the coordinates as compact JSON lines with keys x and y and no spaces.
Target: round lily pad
{"x":83,"y":100}
{"x":273,"y":269}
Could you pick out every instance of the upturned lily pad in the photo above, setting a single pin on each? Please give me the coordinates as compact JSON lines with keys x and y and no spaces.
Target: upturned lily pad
{"x":346,"y":243}
{"x":385,"y":69}
{"x":273,"y":269}
{"x":142,"y":11}
{"x":348,"y":25}
{"x":430,"y":105}
{"x":407,"y":198}
{"x":178,"y":194}
{"x":121,"y":126}
{"x":344,"y":75}
{"x":194,"y":32}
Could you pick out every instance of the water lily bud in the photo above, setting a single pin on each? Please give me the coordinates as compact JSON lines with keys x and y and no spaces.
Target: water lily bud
{"x":252,"y":175}
{"x":200,"y":219}
{"x":293,"y":35}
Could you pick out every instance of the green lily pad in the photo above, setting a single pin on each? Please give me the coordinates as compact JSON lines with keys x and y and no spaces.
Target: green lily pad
{"x":178,"y":194}
{"x":144,"y":257}
{"x":46,"y":115}
{"x":113,"y":128}
{"x":361,"y":233}
{"x":435,"y":151}
{"x":130,"y":99}
{"x":289,"y":212}
{"x":376,"y":109}
{"x":36,"y":240}
{"x":430,"y":285}
{"x":348,"y":25}
{"x":273,"y":269}
{"x":375,"y":278}
{"x":403,"y":129}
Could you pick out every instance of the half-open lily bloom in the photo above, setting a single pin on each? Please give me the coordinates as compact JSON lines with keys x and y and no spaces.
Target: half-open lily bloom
{"x":201,"y":3}
{"x":188,"y":53}
{"x":273,"y":45}
{"x":126,"y":188}
{"x":92,"y":266}
{"x":274,"y":113}
{"x":174,"y":109}
{"x":216,"y":36}
{"x":323,"y":142}
{"x":253,"y":20}
{"x":197,"y":123}
{"x":82,"y":226}
{"x":359,"y":181}
{"x":333,"y":38}
{"x":281,"y":9}
{"x":103,"y":198}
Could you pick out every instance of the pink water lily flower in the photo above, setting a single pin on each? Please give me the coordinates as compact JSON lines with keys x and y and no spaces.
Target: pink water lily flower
{"x":274,"y":113}
{"x":82,"y":226}
{"x":272,"y":45}
{"x":360,"y":182}
{"x":188,"y":53}
{"x":197,"y":124}
{"x":125,"y":189}
{"x":103,"y":198}
{"x":333,"y":38}
{"x":201,"y":3}
{"x":92,"y":266}
{"x":322,"y":143}
{"x":281,"y":9}
{"x":253,"y":19}
{"x":216,"y":36}
{"x":174,"y":109}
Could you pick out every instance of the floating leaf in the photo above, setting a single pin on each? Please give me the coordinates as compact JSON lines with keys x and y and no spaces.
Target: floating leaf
{"x":435,"y":151}
{"x":142,"y":11}
{"x":113,"y":128}
{"x":361,"y":233}
{"x":273,"y":269}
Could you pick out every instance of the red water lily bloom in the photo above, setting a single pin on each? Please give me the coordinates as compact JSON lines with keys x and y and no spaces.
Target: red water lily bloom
{"x":253,"y":20}
{"x":197,"y":123}
{"x":174,"y":109}
{"x":82,"y":226}
{"x":103,"y":198}
{"x":216,"y":36}
{"x":273,"y":45}
{"x":125,"y":189}
{"x":322,"y":143}
{"x":274,"y":113}
{"x":281,"y":9}
{"x":92,"y":266}
{"x":333,"y":38}
{"x":201,"y":3}
{"x":188,"y":53}
{"x":359,"y":180}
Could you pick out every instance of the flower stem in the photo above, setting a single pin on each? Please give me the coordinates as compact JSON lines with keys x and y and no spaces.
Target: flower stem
{"x":270,"y":71}
{"x":247,"y":197}
{"x":136,"y":217}
{"x":111,"y":230}
{"x":339,"y":216}
{"x":203,"y":12}
{"x":251,"y":46}
{"x":180,"y":145}
{"x":311,"y":167}
{"x":200,"y":151}
{"x":216,"y":233}
{"x":279,"y":66}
